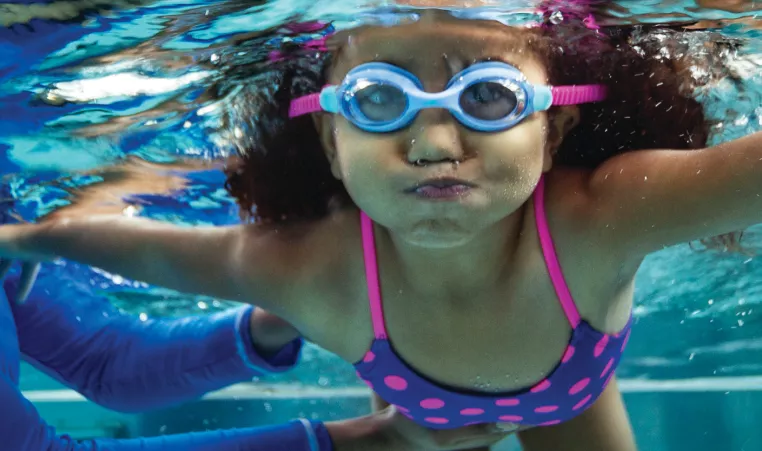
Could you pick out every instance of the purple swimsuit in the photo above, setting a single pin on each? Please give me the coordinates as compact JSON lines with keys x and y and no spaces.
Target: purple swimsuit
{"x":577,"y":381}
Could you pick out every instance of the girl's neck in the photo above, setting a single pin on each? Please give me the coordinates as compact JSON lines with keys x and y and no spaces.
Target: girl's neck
{"x":460,"y":271}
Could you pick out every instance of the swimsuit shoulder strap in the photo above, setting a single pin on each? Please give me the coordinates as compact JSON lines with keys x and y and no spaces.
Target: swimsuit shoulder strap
{"x":551,"y":258}
{"x":371,"y":276}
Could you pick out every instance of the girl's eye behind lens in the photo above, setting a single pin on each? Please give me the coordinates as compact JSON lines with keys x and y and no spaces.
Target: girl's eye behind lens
{"x":379,"y":102}
{"x":488,"y":100}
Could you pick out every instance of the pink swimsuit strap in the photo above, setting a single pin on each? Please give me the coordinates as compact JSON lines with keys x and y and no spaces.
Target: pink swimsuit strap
{"x":551,"y":257}
{"x":548,"y":251}
{"x":371,"y":276}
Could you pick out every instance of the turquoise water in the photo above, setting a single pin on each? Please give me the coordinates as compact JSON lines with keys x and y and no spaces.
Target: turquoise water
{"x":102,"y":96}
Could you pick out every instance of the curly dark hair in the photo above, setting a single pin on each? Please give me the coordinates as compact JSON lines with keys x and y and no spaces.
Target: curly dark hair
{"x":281,"y":173}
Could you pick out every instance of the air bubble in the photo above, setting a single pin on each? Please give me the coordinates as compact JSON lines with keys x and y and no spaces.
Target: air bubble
{"x":556,"y":18}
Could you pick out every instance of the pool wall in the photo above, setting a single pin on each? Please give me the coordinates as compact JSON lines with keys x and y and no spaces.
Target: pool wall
{"x":696,"y":414}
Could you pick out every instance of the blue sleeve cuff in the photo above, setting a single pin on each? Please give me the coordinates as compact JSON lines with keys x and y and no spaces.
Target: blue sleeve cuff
{"x":283,"y":360}
{"x":319,"y":436}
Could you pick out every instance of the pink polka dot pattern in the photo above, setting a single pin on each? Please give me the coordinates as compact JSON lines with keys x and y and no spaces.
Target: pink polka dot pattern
{"x":541,"y":387}
{"x":582,"y":403}
{"x":432,"y":403}
{"x":395,"y":383}
{"x":586,"y":367}
{"x":601,"y":346}
{"x":508,"y":402}
{"x":607,"y":367}
{"x":510,"y":418}
{"x":568,"y":354}
{"x":626,"y":339}
{"x":436,"y":420}
{"x":579,"y":386}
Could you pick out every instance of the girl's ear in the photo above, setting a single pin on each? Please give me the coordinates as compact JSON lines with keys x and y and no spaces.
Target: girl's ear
{"x":326,"y":130}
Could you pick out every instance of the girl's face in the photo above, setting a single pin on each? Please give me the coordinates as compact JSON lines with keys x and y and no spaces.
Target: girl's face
{"x":474,"y":179}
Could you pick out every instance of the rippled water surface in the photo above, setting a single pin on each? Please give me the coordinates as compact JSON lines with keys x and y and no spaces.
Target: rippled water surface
{"x":145,"y":94}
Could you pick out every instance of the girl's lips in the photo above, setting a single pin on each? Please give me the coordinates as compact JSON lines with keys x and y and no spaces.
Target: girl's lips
{"x":442,"y":189}
{"x":448,"y":192}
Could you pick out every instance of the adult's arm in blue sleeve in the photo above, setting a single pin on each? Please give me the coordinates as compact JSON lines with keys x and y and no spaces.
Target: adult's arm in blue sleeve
{"x":22,"y":429}
{"x":127,"y":364}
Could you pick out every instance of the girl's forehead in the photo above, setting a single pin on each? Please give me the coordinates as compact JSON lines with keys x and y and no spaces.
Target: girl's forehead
{"x":434,"y":48}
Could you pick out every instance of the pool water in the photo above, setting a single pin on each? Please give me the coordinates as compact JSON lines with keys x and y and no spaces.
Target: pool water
{"x":91,"y":90}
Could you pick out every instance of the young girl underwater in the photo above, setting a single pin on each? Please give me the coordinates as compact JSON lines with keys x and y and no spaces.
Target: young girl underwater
{"x":458,"y":207}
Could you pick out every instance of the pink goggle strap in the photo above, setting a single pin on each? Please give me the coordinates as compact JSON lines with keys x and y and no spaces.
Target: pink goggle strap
{"x":305,"y":105}
{"x":575,"y":95}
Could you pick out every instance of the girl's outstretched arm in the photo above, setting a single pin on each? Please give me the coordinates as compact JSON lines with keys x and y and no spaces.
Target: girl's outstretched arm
{"x":642,"y":201}
{"x":272,"y":267}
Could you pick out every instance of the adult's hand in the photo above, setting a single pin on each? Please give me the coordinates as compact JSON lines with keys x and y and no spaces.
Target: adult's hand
{"x":389,"y":430}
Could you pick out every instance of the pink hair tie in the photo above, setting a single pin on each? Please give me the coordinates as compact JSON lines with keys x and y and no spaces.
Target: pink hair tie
{"x":317,"y":44}
{"x":590,"y":22}
{"x":549,"y":9}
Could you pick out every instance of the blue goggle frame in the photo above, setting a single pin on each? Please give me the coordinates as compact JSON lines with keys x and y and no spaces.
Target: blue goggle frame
{"x":341,"y":99}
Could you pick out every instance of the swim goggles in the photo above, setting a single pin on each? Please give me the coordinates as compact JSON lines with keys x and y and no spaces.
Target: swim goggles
{"x":486,"y":97}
